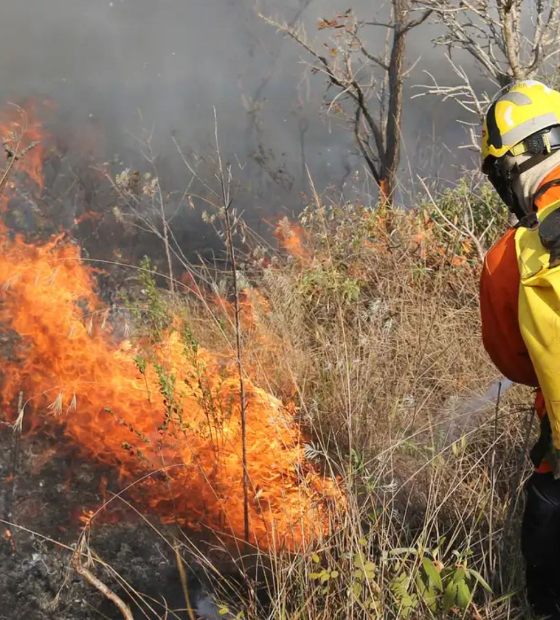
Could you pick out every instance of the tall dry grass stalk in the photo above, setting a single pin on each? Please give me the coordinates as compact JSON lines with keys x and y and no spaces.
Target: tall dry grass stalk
{"x":368,"y":325}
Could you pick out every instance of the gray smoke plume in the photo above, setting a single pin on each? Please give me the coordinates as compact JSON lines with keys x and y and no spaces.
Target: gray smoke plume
{"x":118,"y":67}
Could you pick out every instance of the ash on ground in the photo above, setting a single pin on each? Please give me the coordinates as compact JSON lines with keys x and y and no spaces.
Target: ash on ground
{"x":47,"y":497}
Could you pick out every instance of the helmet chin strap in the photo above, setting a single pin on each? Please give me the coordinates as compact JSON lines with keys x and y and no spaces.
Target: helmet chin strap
{"x":517,"y":203}
{"x":518,"y":207}
{"x":503,"y":178}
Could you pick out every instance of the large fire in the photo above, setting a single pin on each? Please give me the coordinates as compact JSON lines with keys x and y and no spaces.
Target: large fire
{"x":170,"y":424}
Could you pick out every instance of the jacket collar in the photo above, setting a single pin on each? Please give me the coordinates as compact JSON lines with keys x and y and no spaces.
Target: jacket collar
{"x":550,"y":194}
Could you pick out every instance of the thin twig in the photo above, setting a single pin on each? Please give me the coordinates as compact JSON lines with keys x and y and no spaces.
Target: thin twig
{"x":184,"y":584}
{"x":226,"y":205}
{"x":97,"y":583}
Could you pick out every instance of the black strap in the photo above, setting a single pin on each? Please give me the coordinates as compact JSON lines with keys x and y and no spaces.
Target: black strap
{"x":537,"y":144}
{"x":530,"y":220}
{"x":544,"y":443}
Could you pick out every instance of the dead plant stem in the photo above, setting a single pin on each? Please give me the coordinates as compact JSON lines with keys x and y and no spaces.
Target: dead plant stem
{"x":165,"y":225}
{"x":184,"y":584}
{"x":97,"y":583}
{"x":226,"y":205}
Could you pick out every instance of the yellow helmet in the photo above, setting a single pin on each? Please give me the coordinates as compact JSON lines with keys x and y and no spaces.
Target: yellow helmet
{"x":527,"y":108}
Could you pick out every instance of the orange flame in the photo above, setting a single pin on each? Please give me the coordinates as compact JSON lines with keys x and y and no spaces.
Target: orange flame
{"x":171,"y":424}
{"x":22,"y":132}
{"x":291,"y":237}
{"x":251,"y":304}
{"x":125,"y":418}
{"x":9,"y":537}
{"x":86,"y":517}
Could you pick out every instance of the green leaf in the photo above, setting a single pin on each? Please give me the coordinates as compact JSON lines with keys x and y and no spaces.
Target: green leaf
{"x":463,"y":595}
{"x":503,"y":599}
{"x":432,"y":573}
{"x":449,"y":596}
{"x":363,"y":542}
{"x":420,"y":585}
{"x":459,"y":575}
{"x":428,"y":595}
{"x":334,"y":574}
{"x":315,"y":575}
{"x":369,"y":570}
{"x":403,"y":551}
{"x":480,"y":580}
{"x":430,"y":598}
{"x":315,"y":558}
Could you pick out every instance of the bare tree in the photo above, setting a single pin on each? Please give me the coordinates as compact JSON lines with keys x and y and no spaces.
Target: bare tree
{"x":365,"y":88}
{"x":509,"y":40}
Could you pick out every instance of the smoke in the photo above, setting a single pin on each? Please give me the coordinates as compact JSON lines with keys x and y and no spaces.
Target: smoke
{"x":466,"y":414}
{"x":120,"y":68}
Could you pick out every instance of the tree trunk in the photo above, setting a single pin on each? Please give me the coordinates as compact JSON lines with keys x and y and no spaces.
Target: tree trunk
{"x":386,"y":188}
{"x":395,"y":108}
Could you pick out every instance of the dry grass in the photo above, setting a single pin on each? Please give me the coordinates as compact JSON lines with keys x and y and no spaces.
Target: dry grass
{"x":370,"y":325}
{"x":367,"y":324}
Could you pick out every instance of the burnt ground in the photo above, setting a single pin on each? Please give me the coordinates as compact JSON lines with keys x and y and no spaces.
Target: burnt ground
{"x":44,"y":489}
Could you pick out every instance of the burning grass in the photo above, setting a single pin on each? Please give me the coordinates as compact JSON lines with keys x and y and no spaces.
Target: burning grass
{"x":382,"y":482}
{"x":168,"y":413}
{"x":377,"y":316}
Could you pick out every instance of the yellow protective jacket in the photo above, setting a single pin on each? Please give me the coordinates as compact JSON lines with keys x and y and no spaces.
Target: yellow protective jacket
{"x":517,"y":308}
{"x":539,"y":304}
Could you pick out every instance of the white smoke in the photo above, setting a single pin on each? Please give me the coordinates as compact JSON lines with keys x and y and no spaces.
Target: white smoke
{"x":464,"y":414}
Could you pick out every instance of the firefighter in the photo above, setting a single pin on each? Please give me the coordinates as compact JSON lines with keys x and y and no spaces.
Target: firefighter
{"x":520,"y":304}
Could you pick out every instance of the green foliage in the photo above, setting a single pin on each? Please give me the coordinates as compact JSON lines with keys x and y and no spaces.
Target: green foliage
{"x":189,"y":341}
{"x":148,"y":308}
{"x":320,"y":281}
{"x":438,"y":587}
{"x":468,"y":206}
{"x":224,"y":611}
{"x":406,"y":601}
{"x":420,"y":584}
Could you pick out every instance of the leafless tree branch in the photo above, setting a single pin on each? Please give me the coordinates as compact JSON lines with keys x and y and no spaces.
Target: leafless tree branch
{"x":370,"y":85}
{"x":510,"y":40}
